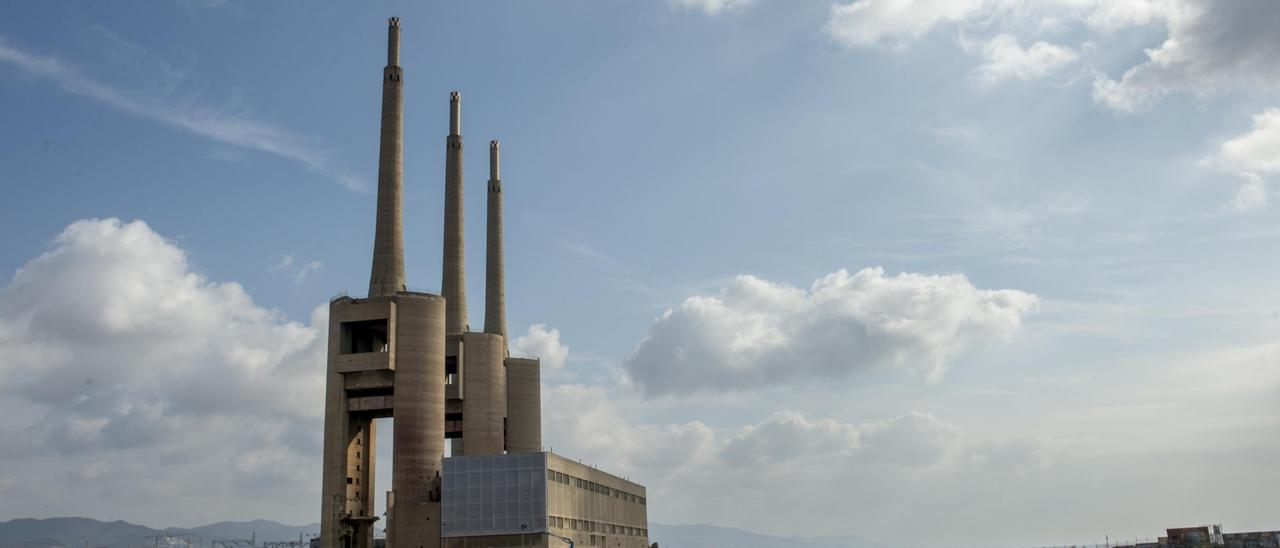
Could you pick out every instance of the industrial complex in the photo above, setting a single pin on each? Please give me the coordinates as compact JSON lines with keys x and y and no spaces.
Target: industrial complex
{"x":413,"y":356}
{"x":1209,"y":536}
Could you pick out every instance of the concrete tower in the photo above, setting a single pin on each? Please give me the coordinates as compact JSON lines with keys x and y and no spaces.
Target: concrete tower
{"x":386,"y":359}
{"x":454,"y":283}
{"x":495,"y":291}
{"x":387,"y":274}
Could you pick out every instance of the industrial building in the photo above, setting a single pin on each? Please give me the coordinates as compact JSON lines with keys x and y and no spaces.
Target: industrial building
{"x":413,"y":356}
{"x":1210,"y":536}
{"x":539,"y":499}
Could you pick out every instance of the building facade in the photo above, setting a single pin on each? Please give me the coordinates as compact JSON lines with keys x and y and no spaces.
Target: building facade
{"x":1210,"y":536}
{"x":539,"y":499}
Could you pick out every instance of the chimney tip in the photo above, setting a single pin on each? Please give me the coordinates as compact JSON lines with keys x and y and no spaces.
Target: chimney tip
{"x":393,"y":22}
{"x":494,"y":144}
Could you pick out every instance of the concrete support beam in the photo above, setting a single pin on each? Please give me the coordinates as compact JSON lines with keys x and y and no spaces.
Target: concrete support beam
{"x":483,"y":408}
{"x":524,"y":405}
{"x":419,"y":416}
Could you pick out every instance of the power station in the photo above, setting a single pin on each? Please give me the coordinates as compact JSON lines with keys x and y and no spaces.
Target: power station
{"x":412,"y":356}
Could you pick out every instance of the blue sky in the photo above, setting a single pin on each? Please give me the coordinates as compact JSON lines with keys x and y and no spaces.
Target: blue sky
{"x":1067,"y":201}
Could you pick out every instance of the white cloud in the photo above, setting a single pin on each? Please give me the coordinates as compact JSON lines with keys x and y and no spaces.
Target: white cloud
{"x":895,"y":23}
{"x":1252,"y":194}
{"x":756,"y":333}
{"x":585,"y":422}
{"x":711,"y":7}
{"x":914,"y":439}
{"x":312,"y":266}
{"x":149,"y":380}
{"x":544,"y":344}
{"x":223,"y":125}
{"x":299,"y":275}
{"x":787,"y":465}
{"x":285,"y":263}
{"x":1253,"y":157}
{"x":1211,"y":47}
{"x":868,"y":23}
{"x":1006,"y":60}
{"x":1257,"y":151}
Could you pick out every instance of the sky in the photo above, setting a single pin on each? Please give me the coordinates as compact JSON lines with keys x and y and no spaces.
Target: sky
{"x":930,"y":272}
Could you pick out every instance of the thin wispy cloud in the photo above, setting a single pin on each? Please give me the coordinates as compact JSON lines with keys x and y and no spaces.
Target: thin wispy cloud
{"x":217,"y":124}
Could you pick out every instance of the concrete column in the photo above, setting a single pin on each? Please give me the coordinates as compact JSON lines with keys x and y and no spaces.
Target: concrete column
{"x":419,"y":416}
{"x":393,"y":42}
{"x":524,"y":405}
{"x":495,"y":293}
{"x":483,"y":406}
{"x":333,"y":487}
{"x":454,"y":285}
{"x":387,"y":275}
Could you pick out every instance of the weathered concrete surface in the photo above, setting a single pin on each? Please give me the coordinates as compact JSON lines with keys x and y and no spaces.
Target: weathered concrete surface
{"x":387,"y":275}
{"x":524,"y":405}
{"x":453,"y":284}
{"x":495,"y":291}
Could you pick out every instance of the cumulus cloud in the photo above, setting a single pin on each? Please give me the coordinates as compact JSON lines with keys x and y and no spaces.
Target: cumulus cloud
{"x":1253,"y":157}
{"x":711,"y":7}
{"x":1006,"y":60}
{"x":589,"y":421}
{"x":1210,"y":47}
{"x":585,"y":421}
{"x":786,"y":464}
{"x":542,"y":343}
{"x":756,"y":332}
{"x":915,"y":439}
{"x":148,"y":380}
{"x":896,"y":23}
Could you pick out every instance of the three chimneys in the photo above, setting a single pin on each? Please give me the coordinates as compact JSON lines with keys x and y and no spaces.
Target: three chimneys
{"x":387,"y":274}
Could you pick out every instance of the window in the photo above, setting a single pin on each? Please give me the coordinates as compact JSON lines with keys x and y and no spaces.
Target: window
{"x":365,"y":336}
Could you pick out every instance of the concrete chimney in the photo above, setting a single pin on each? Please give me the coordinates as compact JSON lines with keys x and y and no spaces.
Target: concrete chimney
{"x":387,"y":275}
{"x":495,"y":291}
{"x":454,"y":283}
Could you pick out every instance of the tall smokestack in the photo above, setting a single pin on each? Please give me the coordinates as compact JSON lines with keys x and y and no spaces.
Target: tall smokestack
{"x":454,"y":284}
{"x":387,"y":275}
{"x":495,"y":291}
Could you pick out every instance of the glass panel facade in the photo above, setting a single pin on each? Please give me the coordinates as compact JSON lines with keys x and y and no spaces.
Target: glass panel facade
{"x":494,"y":495}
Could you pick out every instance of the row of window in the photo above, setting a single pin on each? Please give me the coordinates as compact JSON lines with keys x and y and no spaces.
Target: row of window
{"x":593,"y":487}
{"x":571,"y":524}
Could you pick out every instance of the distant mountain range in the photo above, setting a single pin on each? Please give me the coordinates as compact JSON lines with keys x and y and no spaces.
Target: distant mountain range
{"x":91,"y":533}
{"x":711,"y":536}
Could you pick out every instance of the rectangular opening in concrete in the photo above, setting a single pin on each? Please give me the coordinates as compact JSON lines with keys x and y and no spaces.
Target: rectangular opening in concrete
{"x":364,"y":336}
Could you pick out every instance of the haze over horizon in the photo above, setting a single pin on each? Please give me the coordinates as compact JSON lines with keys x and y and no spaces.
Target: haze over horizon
{"x":927,"y":272}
